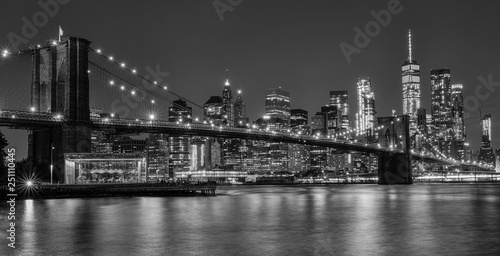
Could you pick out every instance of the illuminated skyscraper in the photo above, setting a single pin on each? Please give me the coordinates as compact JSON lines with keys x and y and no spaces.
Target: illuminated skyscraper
{"x":457,"y":103}
{"x":411,"y":86}
{"x":486,"y":154}
{"x":214,"y":110}
{"x":339,"y":99}
{"x":180,"y":112}
{"x":298,"y":118}
{"x":240,"y":112}
{"x":366,"y":105}
{"x":486,"y":127}
{"x":227,"y":101}
{"x":278,"y":104}
{"x":441,"y":109}
{"x":178,"y":146}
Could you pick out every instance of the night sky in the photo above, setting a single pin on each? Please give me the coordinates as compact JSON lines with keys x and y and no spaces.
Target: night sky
{"x":293,"y":44}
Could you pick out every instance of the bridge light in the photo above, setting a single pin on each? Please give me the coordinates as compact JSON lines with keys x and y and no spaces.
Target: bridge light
{"x":110,"y":58}
{"x":155,"y":82}
{"x":134,"y":71}
{"x":112,"y":114}
{"x":152,"y":101}
{"x":164,"y":87}
{"x":111,"y":82}
{"x":152,"y":116}
{"x":98,"y":50}
{"x":122,"y":87}
{"x":32,"y":109}
{"x":54,"y":42}
{"x":132,"y":92}
{"x":122,"y":64}
{"x":196,"y":119}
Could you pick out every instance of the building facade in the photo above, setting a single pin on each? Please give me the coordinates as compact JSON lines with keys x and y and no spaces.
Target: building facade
{"x":410,"y":73}
{"x":340,"y":100}
{"x":277,"y":104}
{"x":366,"y":107}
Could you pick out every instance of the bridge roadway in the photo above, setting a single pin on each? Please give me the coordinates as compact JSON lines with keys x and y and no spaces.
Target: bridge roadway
{"x":40,"y":120}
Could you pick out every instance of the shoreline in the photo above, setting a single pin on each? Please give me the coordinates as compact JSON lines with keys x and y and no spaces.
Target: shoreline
{"x":115,"y":190}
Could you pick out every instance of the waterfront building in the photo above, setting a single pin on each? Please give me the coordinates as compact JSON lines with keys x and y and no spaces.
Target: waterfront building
{"x":486,"y":154}
{"x":179,"y":146}
{"x":157,"y":156}
{"x":85,"y":168}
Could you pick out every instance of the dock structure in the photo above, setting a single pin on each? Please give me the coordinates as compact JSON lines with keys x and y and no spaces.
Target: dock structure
{"x":119,"y":190}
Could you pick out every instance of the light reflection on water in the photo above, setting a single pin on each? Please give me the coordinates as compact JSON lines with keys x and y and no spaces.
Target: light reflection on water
{"x":269,"y":220}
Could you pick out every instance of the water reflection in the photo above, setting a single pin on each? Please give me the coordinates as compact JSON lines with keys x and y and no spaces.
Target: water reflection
{"x":266,"y":220}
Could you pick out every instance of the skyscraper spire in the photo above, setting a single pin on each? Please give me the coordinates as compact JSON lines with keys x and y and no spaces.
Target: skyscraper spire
{"x":409,"y":45}
{"x":227,"y":77}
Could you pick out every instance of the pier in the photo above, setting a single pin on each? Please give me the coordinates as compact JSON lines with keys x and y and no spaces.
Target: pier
{"x":118,"y":190}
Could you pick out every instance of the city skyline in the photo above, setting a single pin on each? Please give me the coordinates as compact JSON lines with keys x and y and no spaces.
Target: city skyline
{"x":321,"y":68}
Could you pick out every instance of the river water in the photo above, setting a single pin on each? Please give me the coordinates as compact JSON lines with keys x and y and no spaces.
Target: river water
{"x":430,"y":219}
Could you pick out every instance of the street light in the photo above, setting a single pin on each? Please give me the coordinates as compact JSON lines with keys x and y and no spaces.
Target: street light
{"x":51,"y":161}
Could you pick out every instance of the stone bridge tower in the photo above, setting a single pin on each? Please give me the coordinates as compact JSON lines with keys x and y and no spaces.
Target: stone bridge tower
{"x":395,"y":168}
{"x":60,"y":85}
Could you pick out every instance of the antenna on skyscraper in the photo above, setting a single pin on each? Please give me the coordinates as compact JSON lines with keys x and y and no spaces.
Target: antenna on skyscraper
{"x":409,"y":45}
{"x":227,"y":76}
